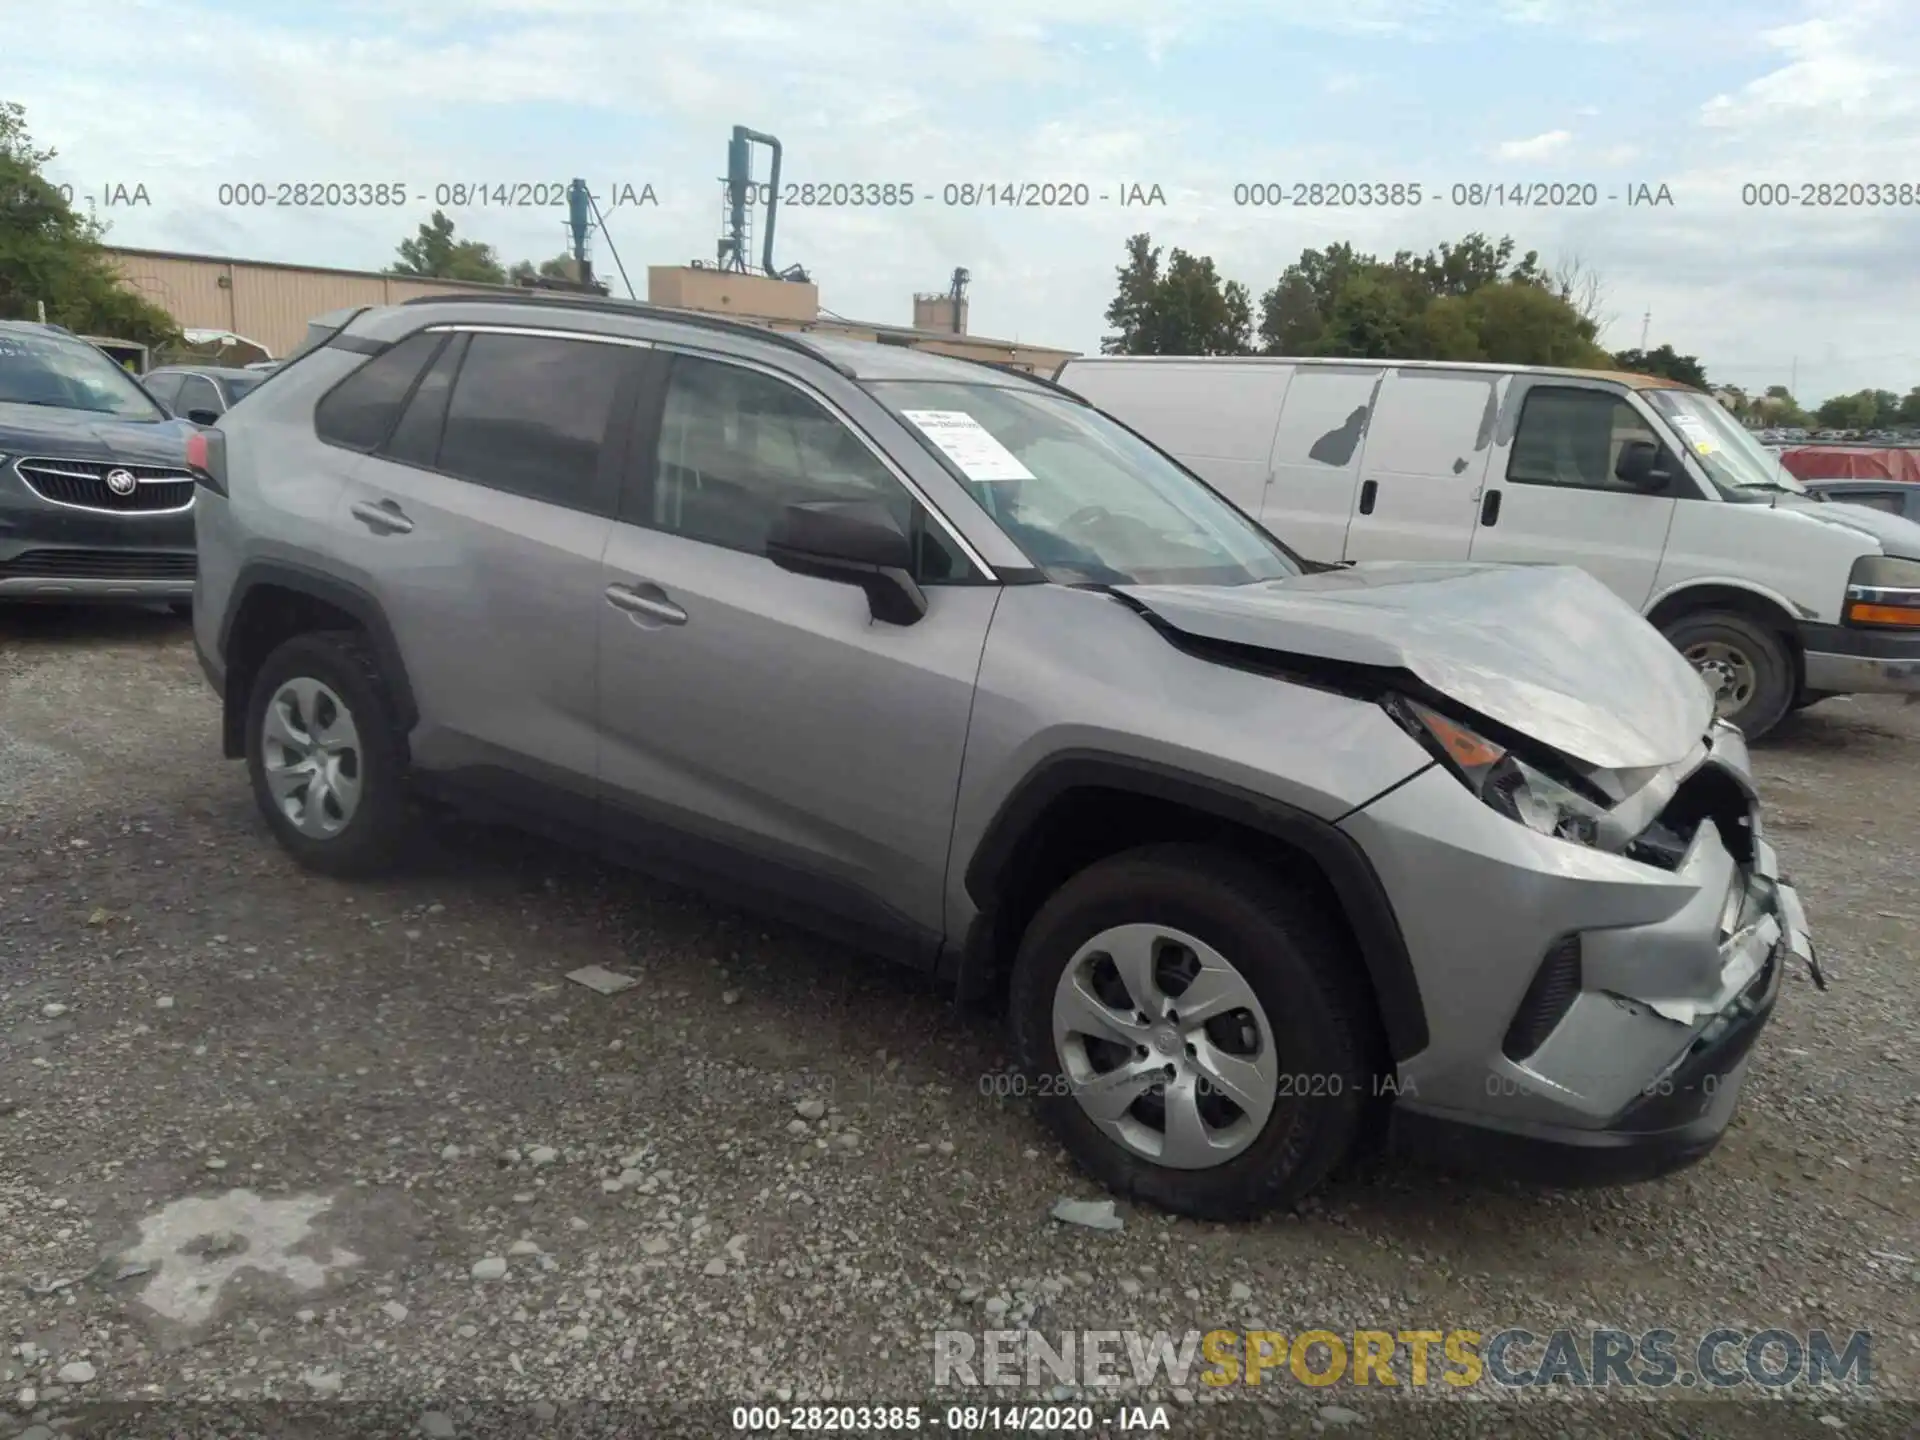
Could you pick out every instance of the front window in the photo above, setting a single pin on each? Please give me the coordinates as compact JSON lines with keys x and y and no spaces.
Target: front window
{"x":239,"y":385}
{"x":40,"y":368}
{"x":1088,"y":503}
{"x":1740,"y":467}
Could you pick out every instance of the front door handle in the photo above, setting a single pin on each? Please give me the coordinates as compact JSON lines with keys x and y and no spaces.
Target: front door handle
{"x":384,"y":518}
{"x":647,"y":600}
{"x":1490,"y":508}
{"x":1368,"y":492}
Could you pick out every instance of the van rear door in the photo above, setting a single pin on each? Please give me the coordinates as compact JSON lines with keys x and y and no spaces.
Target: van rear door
{"x":1215,"y":416}
{"x":1423,"y":460}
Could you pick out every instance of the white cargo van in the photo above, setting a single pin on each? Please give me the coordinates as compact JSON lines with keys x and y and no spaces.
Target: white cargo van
{"x":1778,"y":599}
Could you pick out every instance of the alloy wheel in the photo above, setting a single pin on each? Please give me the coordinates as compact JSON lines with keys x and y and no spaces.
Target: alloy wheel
{"x":1165,"y":1046}
{"x":310,"y":749}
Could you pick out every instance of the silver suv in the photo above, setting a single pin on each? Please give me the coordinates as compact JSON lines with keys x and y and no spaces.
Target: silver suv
{"x":1267,"y":860}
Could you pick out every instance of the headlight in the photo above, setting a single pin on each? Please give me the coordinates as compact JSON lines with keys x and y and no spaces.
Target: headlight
{"x":1884,"y":592}
{"x":1509,"y":784}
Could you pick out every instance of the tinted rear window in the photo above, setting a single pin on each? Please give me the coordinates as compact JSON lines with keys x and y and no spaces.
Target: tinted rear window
{"x":359,"y":412}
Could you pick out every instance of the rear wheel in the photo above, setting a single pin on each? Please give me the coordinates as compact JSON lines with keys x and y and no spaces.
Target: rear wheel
{"x":1747,"y":663}
{"x":325,"y":755}
{"x":1193,"y":1029}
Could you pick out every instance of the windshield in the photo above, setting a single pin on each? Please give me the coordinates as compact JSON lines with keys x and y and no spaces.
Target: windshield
{"x":42,"y":369}
{"x":1740,"y":467}
{"x":238,"y":385}
{"x":1088,"y":502}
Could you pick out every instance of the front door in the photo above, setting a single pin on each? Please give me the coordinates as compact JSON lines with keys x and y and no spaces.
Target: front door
{"x":760,"y":730}
{"x":1554,"y":498}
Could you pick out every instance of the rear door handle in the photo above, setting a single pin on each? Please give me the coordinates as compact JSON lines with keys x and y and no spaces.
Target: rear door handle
{"x":1368,"y":493}
{"x":385,"y":517}
{"x":643,"y":598}
{"x":1490,"y":508}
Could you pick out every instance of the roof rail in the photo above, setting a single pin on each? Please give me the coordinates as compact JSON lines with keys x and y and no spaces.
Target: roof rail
{"x":611,"y":305}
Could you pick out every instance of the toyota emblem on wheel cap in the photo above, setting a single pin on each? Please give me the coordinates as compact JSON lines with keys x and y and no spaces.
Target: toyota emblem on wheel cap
{"x":121,"y":482}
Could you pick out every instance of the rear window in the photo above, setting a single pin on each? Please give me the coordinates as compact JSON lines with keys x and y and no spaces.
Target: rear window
{"x":359,"y":412}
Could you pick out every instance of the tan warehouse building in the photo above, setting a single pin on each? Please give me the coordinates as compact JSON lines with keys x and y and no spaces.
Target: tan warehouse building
{"x":270,"y":303}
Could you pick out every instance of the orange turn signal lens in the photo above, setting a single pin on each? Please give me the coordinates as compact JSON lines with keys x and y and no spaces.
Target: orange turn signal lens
{"x":1466,"y":749}
{"x":1862,"y":613}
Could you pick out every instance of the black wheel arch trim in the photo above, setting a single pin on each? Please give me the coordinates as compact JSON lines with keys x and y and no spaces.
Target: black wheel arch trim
{"x":341,"y":595}
{"x":1363,"y":899}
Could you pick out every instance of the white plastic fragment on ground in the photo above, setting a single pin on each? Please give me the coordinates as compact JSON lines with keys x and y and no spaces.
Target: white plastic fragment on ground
{"x":602,"y":980}
{"x":1094,"y":1214}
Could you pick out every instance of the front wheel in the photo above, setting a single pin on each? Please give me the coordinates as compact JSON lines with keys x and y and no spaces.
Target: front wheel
{"x":1747,"y":664}
{"x":1194,"y":1029}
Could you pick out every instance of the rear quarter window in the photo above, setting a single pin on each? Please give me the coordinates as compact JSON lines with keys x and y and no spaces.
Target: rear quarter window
{"x":359,"y":412}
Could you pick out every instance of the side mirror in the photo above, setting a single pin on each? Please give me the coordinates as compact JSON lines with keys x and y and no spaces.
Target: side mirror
{"x":1645,"y":466}
{"x":203,"y":417}
{"x":853,"y":542}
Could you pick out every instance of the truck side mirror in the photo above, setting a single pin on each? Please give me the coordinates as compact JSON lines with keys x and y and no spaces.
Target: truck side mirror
{"x":1645,"y":466}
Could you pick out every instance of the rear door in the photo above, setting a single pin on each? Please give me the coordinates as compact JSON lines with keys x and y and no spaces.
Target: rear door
{"x":1217,"y":417}
{"x":1423,"y":458}
{"x":478,"y":523}
{"x":1315,"y":462}
{"x":1554,"y":499}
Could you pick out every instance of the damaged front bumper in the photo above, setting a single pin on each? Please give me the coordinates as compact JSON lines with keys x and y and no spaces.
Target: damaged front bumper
{"x":1617,"y":1049}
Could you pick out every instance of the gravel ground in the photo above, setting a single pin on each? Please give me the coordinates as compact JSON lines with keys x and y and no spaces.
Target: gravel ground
{"x":263,"y":1136}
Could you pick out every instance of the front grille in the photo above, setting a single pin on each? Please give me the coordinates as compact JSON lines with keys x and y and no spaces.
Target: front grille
{"x":1554,"y":989}
{"x":83,"y":483}
{"x":99,"y":565}
{"x":1710,"y":795}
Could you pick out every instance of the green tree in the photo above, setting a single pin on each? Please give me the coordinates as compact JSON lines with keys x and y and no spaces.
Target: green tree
{"x":1848,"y":412}
{"x":560,"y":267}
{"x":1132,"y":314}
{"x":1183,"y":308}
{"x":1522,"y":322}
{"x":51,"y":256}
{"x":1886,"y":409}
{"x":435,"y":252}
{"x":1910,"y":407}
{"x":1778,"y":407}
{"x":1662,"y":361}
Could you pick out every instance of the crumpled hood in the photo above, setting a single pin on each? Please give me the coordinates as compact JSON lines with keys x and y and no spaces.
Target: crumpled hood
{"x":1546,"y":650}
{"x":88,"y":435}
{"x":1898,"y":536}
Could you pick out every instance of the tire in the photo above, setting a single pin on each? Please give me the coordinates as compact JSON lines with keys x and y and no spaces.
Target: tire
{"x":1297,"y":963}
{"x":1759,"y":660}
{"x":366,"y":837}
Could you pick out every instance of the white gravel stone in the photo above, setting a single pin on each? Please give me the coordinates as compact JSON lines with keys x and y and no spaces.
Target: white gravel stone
{"x":494,"y":1267}
{"x":523,"y":1247}
{"x":811,"y":1109}
{"x":437,"y":1426}
{"x":394,"y":1311}
{"x":322,"y":1382}
{"x":655,"y":1245}
{"x":76,"y":1372}
{"x":543,"y":1155}
{"x":1338,"y":1415}
{"x":715,"y":1266}
{"x":452,"y":1152}
{"x":165,"y":1002}
{"x":53,"y":1012}
{"x":1094,"y":1214}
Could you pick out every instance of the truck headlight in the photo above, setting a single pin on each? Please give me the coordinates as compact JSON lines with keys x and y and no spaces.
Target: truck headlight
{"x":1883,"y":592}
{"x":1502,"y":779}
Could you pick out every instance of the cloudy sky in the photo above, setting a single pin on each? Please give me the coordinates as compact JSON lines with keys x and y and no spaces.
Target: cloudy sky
{"x":1701,"y":96}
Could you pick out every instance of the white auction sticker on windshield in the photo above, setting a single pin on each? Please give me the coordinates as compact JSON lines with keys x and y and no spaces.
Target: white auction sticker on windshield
{"x":969,"y":444}
{"x":1696,"y":432}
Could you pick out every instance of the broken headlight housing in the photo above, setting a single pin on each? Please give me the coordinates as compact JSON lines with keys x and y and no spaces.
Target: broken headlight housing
{"x":1518,"y":790}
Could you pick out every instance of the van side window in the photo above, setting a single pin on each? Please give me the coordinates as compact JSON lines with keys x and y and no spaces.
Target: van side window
{"x":1573,"y":438}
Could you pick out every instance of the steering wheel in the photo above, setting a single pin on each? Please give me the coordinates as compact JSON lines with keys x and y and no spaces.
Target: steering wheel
{"x":1086,"y":515}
